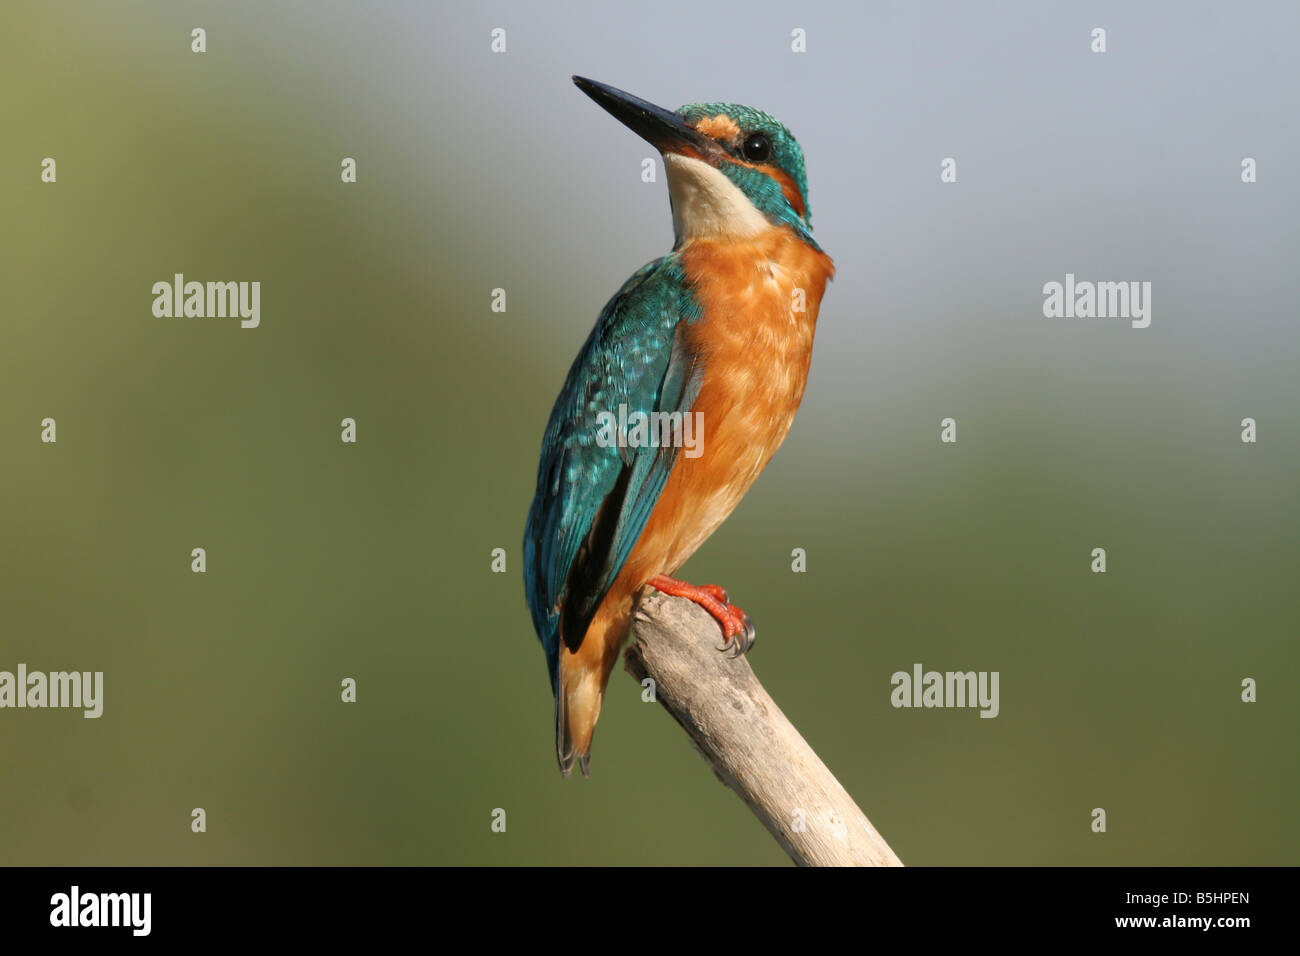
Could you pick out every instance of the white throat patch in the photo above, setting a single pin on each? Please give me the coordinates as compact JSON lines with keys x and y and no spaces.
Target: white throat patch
{"x":707,"y":203}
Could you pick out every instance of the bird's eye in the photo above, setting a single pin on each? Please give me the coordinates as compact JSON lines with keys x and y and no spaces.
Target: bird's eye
{"x":757,"y":148}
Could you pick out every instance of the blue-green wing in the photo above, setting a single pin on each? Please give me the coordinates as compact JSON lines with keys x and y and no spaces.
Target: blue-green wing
{"x":592,"y":501}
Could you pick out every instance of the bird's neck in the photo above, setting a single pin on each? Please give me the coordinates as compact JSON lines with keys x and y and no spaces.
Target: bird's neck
{"x":772,"y":277}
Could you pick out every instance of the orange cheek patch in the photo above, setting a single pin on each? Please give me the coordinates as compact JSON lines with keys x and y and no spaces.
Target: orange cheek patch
{"x":724,"y":129}
{"x":782,"y":179}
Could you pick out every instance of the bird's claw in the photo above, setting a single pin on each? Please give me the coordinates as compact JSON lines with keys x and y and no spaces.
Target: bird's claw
{"x":737,"y":629}
{"x":738,"y":632}
{"x":717,"y":592}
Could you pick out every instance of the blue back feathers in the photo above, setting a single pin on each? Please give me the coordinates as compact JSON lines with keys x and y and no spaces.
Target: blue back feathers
{"x":592,"y":502}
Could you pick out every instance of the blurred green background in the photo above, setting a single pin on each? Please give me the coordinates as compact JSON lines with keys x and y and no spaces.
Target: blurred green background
{"x":372,"y":561}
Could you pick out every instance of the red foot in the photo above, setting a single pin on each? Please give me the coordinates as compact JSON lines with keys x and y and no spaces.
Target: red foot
{"x":736,"y":625}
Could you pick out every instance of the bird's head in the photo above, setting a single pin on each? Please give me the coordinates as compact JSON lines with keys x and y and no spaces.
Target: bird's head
{"x":733,"y":171}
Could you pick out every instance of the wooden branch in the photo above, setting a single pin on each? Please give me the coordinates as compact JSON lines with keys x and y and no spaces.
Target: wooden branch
{"x":743,"y":735}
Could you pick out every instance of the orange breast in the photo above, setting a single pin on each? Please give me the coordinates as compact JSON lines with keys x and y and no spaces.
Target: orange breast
{"x":756,"y":347}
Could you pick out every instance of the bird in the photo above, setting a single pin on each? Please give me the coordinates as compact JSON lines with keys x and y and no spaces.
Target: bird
{"x":719,"y":332}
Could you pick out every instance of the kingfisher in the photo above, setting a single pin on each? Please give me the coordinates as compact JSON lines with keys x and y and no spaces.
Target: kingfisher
{"x":718,"y":332}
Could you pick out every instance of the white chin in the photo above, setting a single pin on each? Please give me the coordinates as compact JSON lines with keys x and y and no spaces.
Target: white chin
{"x":707,"y":204}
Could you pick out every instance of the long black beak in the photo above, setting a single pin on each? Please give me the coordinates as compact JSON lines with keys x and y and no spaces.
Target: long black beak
{"x":661,"y":128}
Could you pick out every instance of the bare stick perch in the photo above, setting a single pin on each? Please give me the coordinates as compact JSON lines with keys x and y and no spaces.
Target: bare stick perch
{"x":743,"y":735}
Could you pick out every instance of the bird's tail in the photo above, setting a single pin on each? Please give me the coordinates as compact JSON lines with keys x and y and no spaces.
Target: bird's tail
{"x":580,"y":685}
{"x":578,"y":698}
